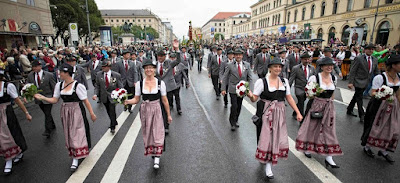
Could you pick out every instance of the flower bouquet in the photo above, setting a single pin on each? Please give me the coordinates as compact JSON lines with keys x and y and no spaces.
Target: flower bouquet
{"x":119,"y":95}
{"x":242,"y":88}
{"x":312,"y":90}
{"x":29,"y":90}
{"x":385,"y":93}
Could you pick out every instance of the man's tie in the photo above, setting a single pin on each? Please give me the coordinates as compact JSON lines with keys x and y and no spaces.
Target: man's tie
{"x":219,"y":61}
{"x":94,"y":63}
{"x":161,"y":70}
{"x":107,"y":82}
{"x":369,"y":64}
{"x":239,"y":71}
{"x":38,"y":79}
{"x":305,"y":71}
{"x":173,"y":71}
{"x":264,"y":57}
{"x":184,"y":56}
{"x":126,"y":66}
{"x":297,"y":58}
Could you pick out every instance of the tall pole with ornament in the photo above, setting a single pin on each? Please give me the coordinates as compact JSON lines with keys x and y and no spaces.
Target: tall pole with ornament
{"x":190,"y":31}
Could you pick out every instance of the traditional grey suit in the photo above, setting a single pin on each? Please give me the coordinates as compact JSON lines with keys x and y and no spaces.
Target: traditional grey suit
{"x":114,"y":62}
{"x":93,"y":71}
{"x":139,"y":69}
{"x":261,"y":66}
{"x":179,"y":76}
{"x":230,"y":80}
{"x":79,"y":76}
{"x":360,"y":78}
{"x":248,"y":55}
{"x":292,"y":61}
{"x":47,"y":84}
{"x":222,"y":69}
{"x":298,"y":76}
{"x":168,"y":76}
{"x":213,"y":70}
{"x":104,"y":93}
{"x":127,"y":73}
{"x":186,"y":62}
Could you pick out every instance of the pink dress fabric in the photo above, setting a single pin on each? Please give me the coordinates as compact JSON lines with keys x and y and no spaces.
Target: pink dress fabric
{"x":273,"y":142}
{"x":385,"y":131}
{"x":74,"y":130}
{"x":152,"y":127}
{"x":8,"y":148}
{"x":319,"y":135}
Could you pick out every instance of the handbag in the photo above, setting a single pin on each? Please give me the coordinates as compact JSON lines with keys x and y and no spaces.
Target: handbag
{"x":316,"y":115}
{"x":257,"y":119}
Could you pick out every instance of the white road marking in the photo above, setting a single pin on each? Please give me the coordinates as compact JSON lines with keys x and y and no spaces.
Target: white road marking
{"x":87,"y":165}
{"x":117,"y":165}
{"x":314,"y":166}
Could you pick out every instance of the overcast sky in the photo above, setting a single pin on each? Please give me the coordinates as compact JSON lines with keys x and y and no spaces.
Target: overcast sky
{"x":180,"y":12}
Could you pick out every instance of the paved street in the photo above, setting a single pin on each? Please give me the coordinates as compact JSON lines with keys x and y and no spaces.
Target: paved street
{"x":200,"y":147}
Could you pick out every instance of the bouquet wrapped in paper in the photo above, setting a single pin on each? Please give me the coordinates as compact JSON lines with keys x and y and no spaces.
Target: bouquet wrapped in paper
{"x":313,"y":90}
{"x":28,"y":91}
{"x":119,"y":95}
{"x":385,"y":93}
{"x":242,"y":88}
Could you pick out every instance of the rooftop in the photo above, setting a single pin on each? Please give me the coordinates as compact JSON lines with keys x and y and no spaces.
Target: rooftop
{"x":225,"y":15}
{"x":126,"y":13}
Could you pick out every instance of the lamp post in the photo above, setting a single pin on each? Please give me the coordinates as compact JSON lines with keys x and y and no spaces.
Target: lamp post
{"x":373,"y":27}
{"x":88,"y":21}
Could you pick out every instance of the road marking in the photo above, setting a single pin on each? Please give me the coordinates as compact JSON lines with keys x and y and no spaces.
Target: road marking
{"x":117,"y":165}
{"x":314,"y":166}
{"x":87,"y":165}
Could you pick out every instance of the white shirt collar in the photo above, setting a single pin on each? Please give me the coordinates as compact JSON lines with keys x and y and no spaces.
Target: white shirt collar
{"x":108,"y":74}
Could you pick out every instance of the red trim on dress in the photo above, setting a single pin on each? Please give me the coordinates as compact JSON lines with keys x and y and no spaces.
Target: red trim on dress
{"x":383,"y":143}
{"x":267,"y":156}
{"x":324,"y":149}
{"x":153,"y":150}
{"x":11,"y":152}
{"x":79,"y":152}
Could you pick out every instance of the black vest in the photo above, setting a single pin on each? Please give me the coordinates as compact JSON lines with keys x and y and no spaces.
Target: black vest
{"x":395,"y":88}
{"x":6,"y":97}
{"x":151,"y":97}
{"x":326,"y":93}
{"x":278,"y":95}
{"x":70,"y":98}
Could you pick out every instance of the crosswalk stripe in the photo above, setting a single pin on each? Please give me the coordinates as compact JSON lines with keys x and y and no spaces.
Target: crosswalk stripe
{"x":87,"y":165}
{"x":117,"y":165}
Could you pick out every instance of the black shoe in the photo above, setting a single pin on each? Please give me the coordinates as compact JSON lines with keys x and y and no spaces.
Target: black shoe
{"x":73,"y":168}
{"x":167,"y":131}
{"x":233,"y":128}
{"x":369,"y":153}
{"x":18,"y":160}
{"x":362,"y":119}
{"x":226,"y":106}
{"x":332,"y":166}
{"x":7,"y":173}
{"x":112,"y":131}
{"x":270,"y":177}
{"x":351,"y":113}
{"x":237,"y":125}
{"x":179,"y":112}
{"x":46,"y":134}
{"x":307,"y":155}
{"x":53,"y":127}
{"x":98,"y":101}
{"x":171,"y":107}
{"x":217,"y":97}
{"x":387,"y":157}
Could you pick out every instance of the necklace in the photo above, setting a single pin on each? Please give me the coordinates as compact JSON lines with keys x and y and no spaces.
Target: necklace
{"x":393,"y":77}
{"x":67,"y":85}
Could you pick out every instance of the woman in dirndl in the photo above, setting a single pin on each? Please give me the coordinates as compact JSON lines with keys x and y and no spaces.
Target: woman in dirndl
{"x":272,"y":137}
{"x":154,"y":94}
{"x":72,"y":93}
{"x":12,"y":141}
{"x":318,"y":134}
{"x":382,"y":118}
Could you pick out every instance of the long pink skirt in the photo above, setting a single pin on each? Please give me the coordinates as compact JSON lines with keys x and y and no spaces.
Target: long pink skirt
{"x":385,"y":131}
{"x":152,"y":127}
{"x":273,"y":142}
{"x":319,"y":135}
{"x":74,"y":130}
{"x":8,"y":147}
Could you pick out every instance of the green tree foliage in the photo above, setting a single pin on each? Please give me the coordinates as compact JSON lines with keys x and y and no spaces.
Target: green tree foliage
{"x":216,"y":36}
{"x":74,"y":11}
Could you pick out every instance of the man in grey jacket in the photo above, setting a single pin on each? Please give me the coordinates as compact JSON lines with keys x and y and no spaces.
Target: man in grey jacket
{"x":128,"y":76}
{"x":222,"y":69}
{"x":261,"y":62}
{"x":234,"y":73}
{"x":300,"y":74}
{"x":45,"y":82}
{"x":107,"y":81}
{"x":363,"y":68}
{"x":94,"y":67}
{"x":213,"y":71}
{"x":178,"y":75}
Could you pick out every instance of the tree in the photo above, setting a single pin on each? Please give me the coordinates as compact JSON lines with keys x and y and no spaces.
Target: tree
{"x":217,"y":35}
{"x":152,"y":33}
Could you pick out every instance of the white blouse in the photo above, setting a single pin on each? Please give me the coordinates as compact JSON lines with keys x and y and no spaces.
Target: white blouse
{"x":259,"y":87}
{"x":153,"y":90}
{"x":331,"y":86}
{"x":80,"y":90}
{"x":378,"y":82}
{"x":11,"y":90}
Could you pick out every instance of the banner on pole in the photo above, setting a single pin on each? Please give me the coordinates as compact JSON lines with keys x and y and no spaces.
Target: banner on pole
{"x":73,"y":31}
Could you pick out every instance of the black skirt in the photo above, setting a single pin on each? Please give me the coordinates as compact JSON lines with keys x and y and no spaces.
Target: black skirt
{"x":370,"y":113}
{"x":15,"y":129}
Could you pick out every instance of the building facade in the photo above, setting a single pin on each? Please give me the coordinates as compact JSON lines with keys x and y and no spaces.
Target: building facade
{"x":217,"y":24}
{"x":25,"y":23}
{"x":328,"y":19}
{"x":233,"y":20}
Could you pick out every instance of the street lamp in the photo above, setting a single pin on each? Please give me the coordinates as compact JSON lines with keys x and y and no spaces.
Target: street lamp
{"x":373,"y":27}
{"x":88,"y":21}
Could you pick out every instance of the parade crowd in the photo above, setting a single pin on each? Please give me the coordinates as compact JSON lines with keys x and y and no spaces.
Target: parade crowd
{"x":153,"y":74}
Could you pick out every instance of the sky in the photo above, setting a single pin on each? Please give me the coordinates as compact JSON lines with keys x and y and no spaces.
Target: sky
{"x":180,"y":12}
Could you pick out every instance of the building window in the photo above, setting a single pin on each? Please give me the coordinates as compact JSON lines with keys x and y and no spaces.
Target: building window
{"x":30,"y":2}
{"x":112,"y":20}
{"x":144,"y":20}
{"x":303,"y":15}
{"x":133,"y":20}
{"x":122,"y":20}
{"x":220,"y":25}
{"x":288,"y":17}
{"x":349,"y":5}
{"x":280,"y":2}
{"x":332,"y":32}
{"x":335,"y":5}
{"x":138,"y":20}
{"x":127,"y":20}
{"x":106,"y":20}
{"x":383,"y":33}
{"x":293,"y":1}
{"x":219,"y":30}
{"x":279,"y":19}
{"x":149,"y":20}
{"x":364,"y":39}
{"x":388,"y":1}
{"x":320,"y":33}
{"x":323,"y":9}
{"x":224,"y":29}
{"x":312,"y":11}
{"x":346,"y":34}
{"x":234,"y":22}
{"x":367,"y":3}
{"x":215,"y":24}
{"x":274,"y":4}
{"x":295,"y":16}
{"x":117,"y":20}
{"x":224,"y":23}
